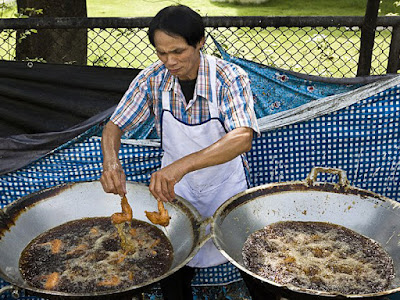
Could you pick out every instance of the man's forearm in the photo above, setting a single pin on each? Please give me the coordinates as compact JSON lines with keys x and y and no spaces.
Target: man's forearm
{"x":111,"y":142}
{"x":113,"y":176}
{"x":234,"y":143}
{"x":227,"y":148}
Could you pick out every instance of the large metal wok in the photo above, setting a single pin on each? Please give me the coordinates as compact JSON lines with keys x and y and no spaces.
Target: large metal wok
{"x":362,"y":211}
{"x":30,"y":216}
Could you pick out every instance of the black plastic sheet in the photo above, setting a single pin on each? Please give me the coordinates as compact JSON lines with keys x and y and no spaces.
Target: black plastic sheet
{"x":43,"y":106}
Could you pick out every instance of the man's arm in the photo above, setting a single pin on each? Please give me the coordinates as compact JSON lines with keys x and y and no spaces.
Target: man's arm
{"x":227,"y":148}
{"x":113,"y":176}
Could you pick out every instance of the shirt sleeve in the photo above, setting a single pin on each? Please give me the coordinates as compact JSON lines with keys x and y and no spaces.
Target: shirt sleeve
{"x":134,"y":108}
{"x":237,"y":104}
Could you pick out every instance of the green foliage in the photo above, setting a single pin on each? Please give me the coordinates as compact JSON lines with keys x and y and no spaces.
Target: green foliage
{"x":28,"y":12}
{"x":389,"y":7}
{"x":24,"y":34}
{"x":7,"y":9}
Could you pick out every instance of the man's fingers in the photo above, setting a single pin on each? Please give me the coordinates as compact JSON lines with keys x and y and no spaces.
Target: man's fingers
{"x":157,"y":188}
{"x":104,"y":184}
{"x":122,"y":191}
{"x":171,"y":191}
{"x":107,"y":183}
{"x":152,"y":184}
{"x":113,"y":181}
{"x":165,"y":191}
{"x":115,"y":178}
{"x":162,"y":185}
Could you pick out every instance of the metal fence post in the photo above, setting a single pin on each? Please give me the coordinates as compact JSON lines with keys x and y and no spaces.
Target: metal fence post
{"x":394,"y":53}
{"x":367,"y":38}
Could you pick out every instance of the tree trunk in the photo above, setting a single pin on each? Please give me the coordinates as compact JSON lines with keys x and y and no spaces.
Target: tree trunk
{"x":53,"y":45}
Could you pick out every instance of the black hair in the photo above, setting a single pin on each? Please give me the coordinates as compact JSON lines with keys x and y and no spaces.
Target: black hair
{"x":178,"y":20}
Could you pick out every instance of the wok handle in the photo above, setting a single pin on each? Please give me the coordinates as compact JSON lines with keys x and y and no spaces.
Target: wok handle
{"x":312,"y":177}
{"x":203,"y":229}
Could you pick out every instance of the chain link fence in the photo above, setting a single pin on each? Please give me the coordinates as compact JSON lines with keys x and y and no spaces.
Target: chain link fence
{"x":321,"y":46}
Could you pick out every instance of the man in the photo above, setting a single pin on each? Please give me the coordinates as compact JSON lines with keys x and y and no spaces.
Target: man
{"x":204,"y":115}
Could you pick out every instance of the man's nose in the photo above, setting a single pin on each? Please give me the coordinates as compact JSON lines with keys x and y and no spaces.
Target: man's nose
{"x":171,"y":60}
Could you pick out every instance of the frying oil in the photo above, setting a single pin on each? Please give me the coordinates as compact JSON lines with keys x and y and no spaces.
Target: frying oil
{"x":318,"y":256}
{"x":91,"y":259}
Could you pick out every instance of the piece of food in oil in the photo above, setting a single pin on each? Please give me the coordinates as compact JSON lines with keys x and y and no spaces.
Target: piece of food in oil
{"x":90,"y":258}
{"x":122,"y":221}
{"x":319,"y":256}
{"x":125,"y":215}
{"x":160,"y":217}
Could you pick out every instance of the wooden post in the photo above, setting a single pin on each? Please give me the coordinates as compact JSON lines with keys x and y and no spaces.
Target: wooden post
{"x":368,"y":38}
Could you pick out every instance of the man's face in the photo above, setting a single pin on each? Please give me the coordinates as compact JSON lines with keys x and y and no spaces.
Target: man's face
{"x":181,"y":59}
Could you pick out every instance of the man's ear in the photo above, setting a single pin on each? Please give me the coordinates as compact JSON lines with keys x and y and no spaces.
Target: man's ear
{"x":201,"y":43}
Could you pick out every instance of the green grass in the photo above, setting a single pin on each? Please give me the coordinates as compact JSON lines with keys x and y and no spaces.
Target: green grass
{"x":137,"y":8}
{"x":146,"y":8}
{"x":140,"y":8}
{"x":205,"y":7}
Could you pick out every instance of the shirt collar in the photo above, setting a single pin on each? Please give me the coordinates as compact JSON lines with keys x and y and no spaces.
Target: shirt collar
{"x":203,"y":79}
{"x":168,"y":81}
{"x":203,"y":84}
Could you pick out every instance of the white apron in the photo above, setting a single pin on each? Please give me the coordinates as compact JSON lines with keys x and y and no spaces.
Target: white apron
{"x":207,"y":188}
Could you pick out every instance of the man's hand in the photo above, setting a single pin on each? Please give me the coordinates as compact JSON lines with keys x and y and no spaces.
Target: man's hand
{"x":113,"y":178}
{"x":163,"y":181}
{"x":227,"y":148}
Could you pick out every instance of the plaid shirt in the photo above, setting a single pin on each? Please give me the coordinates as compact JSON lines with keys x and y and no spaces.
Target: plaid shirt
{"x":143,"y":98}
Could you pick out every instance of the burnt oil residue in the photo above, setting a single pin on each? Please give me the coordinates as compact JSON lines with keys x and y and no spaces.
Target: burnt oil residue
{"x":85,"y":256}
{"x":295,"y":186}
{"x":10,"y":214}
{"x":5,"y":222}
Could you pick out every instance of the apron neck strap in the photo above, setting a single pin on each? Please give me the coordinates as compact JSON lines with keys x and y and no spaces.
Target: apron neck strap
{"x":213,"y":105}
{"x":165,"y":100}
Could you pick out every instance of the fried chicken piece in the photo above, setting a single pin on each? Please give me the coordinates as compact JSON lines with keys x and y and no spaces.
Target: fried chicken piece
{"x":112,"y":281}
{"x":78,"y":249}
{"x":161,"y":217}
{"x":55,"y":245}
{"x":289,"y":260}
{"x":130,"y":275}
{"x":94,"y":231}
{"x":126,"y":215}
{"x":118,"y":257}
{"x":155,"y":243}
{"x":52,"y":280}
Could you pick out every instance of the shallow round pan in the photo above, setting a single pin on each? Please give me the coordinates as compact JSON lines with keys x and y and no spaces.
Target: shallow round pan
{"x":365,"y":212}
{"x":28,"y":217}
